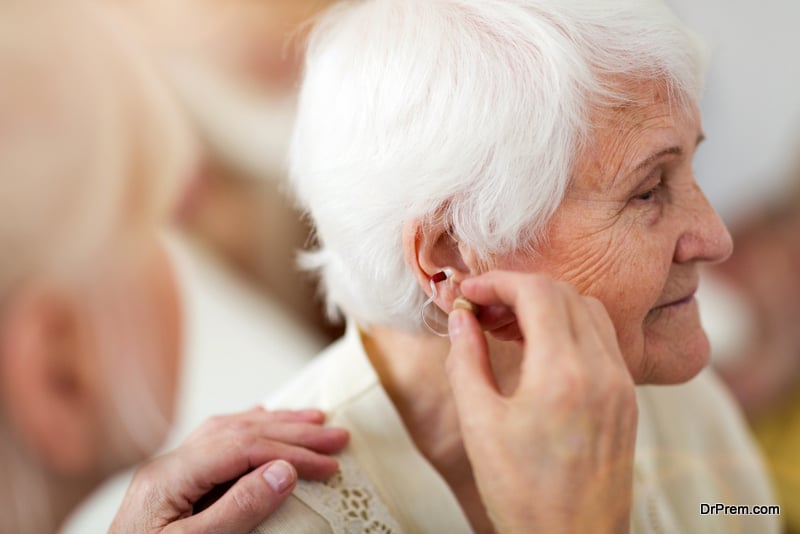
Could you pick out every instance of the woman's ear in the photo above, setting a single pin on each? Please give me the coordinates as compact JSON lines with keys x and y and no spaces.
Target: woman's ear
{"x":430,"y":249}
{"x":46,"y":379}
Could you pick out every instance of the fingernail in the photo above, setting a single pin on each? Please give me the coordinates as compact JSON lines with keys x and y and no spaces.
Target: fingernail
{"x":280,"y":475}
{"x":455,"y":322}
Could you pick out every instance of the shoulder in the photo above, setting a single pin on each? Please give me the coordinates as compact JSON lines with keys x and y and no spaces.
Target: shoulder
{"x":335,"y":377}
{"x":304,"y":390}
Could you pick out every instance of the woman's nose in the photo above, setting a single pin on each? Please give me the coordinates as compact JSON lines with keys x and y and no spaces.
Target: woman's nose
{"x":705,"y":237}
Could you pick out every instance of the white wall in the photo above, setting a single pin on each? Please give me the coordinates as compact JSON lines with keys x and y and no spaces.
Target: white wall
{"x":752,"y":104}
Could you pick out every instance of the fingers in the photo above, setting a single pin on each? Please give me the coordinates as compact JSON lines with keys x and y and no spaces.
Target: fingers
{"x":327,"y":440}
{"x":309,"y":464}
{"x":493,"y":317}
{"x":246,"y":504}
{"x":229,"y":447}
{"x":258,"y":427}
{"x":219,"y":459}
{"x":226,"y":458}
{"x":292,"y":416}
{"x":468,"y":367}
{"x":591,"y":349}
{"x":541,"y":309}
{"x":605,"y":330}
{"x":256,"y":416}
{"x":560,"y":328}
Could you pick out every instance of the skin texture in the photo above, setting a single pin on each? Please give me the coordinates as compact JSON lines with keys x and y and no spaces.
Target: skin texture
{"x":167,"y":490}
{"x":634,"y":237}
{"x":627,"y":236}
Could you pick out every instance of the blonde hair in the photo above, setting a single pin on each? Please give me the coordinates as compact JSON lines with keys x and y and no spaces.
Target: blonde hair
{"x":91,"y":140}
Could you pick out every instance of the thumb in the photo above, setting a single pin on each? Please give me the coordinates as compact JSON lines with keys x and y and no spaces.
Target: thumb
{"x":468,"y":368}
{"x":247,"y":504}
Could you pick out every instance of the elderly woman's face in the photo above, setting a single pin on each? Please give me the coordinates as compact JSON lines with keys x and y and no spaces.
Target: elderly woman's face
{"x":631,"y":232}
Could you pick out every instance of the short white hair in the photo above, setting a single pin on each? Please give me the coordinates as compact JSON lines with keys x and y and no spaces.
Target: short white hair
{"x":92,"y":141}
{"x":466,"y":112}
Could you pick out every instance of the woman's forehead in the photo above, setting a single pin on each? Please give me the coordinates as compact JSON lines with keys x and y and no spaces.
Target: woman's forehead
{"x":625,"y":136}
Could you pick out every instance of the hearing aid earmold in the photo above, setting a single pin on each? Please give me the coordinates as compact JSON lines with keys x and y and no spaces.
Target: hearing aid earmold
{"x":461,"y":303}
{"x":437,"y":322}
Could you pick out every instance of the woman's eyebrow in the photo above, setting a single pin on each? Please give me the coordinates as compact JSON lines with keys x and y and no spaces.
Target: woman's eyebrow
{"x":673,"y":150}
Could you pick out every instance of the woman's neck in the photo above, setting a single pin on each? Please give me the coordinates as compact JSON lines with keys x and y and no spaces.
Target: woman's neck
{"x":412,"y":370}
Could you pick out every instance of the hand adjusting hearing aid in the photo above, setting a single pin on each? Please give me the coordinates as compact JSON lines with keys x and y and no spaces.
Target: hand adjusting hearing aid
{"x":438,"y":325}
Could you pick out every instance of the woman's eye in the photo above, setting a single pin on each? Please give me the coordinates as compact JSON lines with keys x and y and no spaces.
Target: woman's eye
{"x":649,"y":194}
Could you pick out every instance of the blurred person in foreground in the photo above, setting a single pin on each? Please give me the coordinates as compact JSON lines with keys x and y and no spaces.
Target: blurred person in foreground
{"x":93,"y":153}
{"x":535,"y":157}
{"x":752,"y":308}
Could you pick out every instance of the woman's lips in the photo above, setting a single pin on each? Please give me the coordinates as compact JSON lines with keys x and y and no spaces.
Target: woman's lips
{"x":679,"y":302}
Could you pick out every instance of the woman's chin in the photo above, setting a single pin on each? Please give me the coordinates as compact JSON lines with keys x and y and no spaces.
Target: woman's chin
{"x":674,"y":360}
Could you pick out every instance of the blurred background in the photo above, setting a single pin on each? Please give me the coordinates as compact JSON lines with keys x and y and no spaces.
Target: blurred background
{"x":252,"y":320}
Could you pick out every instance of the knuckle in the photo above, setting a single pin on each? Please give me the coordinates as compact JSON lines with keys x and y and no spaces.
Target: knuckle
{"x":240,"y":443}
{"x":247,"y":500}
{"x":239,"y":425}
{"x":233,"y":426}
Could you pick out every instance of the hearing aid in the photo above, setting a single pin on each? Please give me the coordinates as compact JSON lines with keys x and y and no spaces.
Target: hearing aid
{"x":438,"y":325}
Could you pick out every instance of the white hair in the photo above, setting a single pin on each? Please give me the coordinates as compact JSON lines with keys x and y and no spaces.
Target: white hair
{"x":469,"y":113}
{"x":92,"y":141}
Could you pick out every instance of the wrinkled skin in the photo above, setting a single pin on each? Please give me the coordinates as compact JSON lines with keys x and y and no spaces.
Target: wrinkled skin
{"x":633,"y":236}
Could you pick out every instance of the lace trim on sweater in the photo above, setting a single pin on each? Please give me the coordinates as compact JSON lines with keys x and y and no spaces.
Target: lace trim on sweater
{"x":348,"y":501}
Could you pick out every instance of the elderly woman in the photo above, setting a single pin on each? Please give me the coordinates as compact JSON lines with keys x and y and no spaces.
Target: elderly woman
{"x":441,"y":141}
